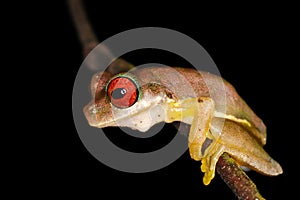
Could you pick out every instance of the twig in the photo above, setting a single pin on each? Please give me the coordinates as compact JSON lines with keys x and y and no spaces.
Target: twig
{"x":237,"y":179}
{"x":85,"y":32}
{"x":229,"y":171}
{"x":89,"y":41}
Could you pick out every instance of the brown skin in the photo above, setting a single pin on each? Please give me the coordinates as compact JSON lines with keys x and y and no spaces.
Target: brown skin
{"x":204,"y":85}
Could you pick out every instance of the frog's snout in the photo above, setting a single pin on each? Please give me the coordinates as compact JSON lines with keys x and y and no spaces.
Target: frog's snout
{"x":90,"y":112}
{"x":99,"y":116}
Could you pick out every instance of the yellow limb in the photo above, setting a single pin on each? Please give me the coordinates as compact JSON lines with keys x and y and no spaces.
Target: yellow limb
{"x":199,"y":131}
{"x":209,"y":162}
{"x":200,"y":111}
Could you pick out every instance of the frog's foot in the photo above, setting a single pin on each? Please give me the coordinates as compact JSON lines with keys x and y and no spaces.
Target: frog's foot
{"x":209,"y":162}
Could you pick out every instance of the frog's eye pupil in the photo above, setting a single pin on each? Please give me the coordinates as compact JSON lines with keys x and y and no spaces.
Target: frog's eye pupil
{"x":118,"y":93}
{"x":122,"y":92}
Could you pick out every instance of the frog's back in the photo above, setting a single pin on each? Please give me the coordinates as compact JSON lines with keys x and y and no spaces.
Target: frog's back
{"x":237,"y":107}
{"x":186,"y":83}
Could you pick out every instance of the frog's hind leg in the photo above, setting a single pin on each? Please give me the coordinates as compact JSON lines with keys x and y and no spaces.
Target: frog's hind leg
{"x":246,"y":150}
{"x":202,"y":145}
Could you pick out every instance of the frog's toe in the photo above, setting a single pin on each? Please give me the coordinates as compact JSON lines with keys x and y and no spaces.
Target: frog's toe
{"x":208,"y":170}
{"x":208,"y":176}
{"x":209,"y":163}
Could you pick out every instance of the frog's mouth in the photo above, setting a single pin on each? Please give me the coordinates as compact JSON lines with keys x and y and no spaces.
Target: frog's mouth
{"x":105,"y":117}
{"x":139,"y":117}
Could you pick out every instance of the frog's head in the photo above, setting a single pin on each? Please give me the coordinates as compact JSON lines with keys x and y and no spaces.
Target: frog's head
{"x":124,"y":100}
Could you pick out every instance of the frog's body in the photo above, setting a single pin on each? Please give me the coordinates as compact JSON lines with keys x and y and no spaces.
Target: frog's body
{"x":179,"y":94}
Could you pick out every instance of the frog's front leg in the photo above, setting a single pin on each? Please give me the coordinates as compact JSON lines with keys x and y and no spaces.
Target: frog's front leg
{"x":203,"y":113}
{"x":202,"y":145}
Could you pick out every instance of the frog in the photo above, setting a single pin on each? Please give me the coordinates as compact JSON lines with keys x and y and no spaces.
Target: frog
{"x":124,"y":95}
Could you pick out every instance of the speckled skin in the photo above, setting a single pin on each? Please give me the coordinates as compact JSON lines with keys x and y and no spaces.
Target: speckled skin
{"x":203,"y":85}
{"x":247,"y":152}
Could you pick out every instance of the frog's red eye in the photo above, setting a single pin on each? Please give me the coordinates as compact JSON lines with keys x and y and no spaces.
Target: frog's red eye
{"x":122,"y":92}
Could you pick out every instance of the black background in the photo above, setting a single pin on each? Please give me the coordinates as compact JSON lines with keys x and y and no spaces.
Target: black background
{"x":252,"y":51}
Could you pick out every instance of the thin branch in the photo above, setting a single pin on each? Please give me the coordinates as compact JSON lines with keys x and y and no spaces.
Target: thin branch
{"x":85,"y":32}
{"x":229,"y":171}
{"x":236,"y":179}
{"x":89,"y":41}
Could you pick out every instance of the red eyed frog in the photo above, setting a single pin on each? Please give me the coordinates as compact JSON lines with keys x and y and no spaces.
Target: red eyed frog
{"x":183,"y":94}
